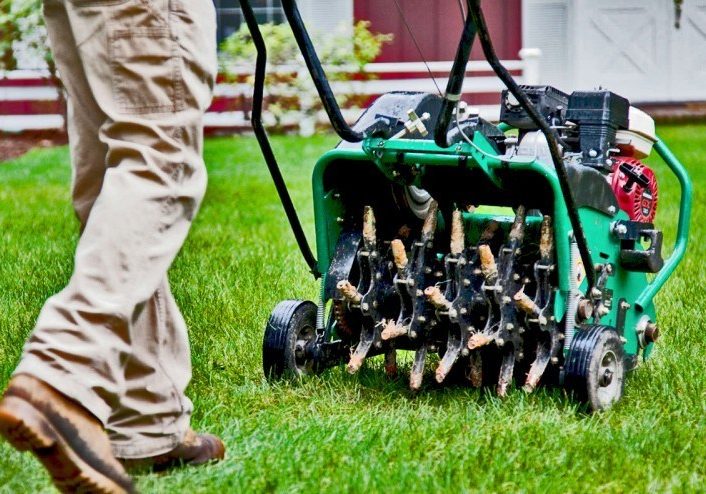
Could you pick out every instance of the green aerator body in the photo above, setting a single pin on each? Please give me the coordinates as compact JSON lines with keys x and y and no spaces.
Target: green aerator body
{"x":524,"y":252}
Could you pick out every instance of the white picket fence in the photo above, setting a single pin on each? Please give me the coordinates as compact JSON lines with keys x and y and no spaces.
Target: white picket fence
{"x":27,"y":97}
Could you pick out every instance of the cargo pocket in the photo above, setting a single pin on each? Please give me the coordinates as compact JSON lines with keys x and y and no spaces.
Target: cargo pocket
{"x":146,"y":70}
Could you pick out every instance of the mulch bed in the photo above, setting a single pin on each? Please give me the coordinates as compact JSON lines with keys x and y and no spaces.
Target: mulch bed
{"x":14,"y":145}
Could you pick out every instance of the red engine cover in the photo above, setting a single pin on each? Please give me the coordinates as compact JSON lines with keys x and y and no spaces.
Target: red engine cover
{"x":635,"y":186}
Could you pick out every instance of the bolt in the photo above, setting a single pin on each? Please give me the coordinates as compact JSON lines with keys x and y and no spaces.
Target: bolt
{"x":375,"y":304}
{"x":378,"y":344}
{"x":515,"y":276}
{"x":509,"y":326}
{"x":596,"y":292}
{"x":464,"y":310}
{"x":593,"y":153}
{"x":606,"y":378}
{"x":466,"y":282}
{"x":419,"y":292}
{"x":555,"y":360}
{"x":521,"y":330}
{"x":336,"y":195}
{"x":611,"y":209}
{"x":413,"y":334}
{"x":506,"y":299}
{"x":421,"y":319}
{"x":619,"y":228}
{"x":427,"y":270}
{"x":465,"y":352}
{"x":500,"y":342}
{"x":585,"y":310}
{"x":526,"y":280}
{"x":623,"y":340}
{"x":410,"y":282}
{"x":520,"y":356}
{"x":453,"y":313}
{"x":477,"y":271}
{"x":552,"y":318}
{"x":378,"y":276}
{"x":651,"y":332}
{"x":439,"y":274}
{"x":339,"y":220}
{"x":624,"y":305}
{"x":365,"y":306}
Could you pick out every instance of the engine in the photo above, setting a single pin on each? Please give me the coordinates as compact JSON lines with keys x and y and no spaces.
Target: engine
{"x":598,"y":130}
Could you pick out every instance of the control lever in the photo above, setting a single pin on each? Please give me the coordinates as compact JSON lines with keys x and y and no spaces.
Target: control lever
{"x":414,"y":124}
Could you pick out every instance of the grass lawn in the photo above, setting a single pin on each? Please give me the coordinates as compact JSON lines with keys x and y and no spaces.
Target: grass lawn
{"x":341,"y":433}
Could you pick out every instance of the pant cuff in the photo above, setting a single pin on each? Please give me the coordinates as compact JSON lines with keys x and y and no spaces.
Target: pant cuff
{"x":65,"y":383}
{"x":146,"y":448}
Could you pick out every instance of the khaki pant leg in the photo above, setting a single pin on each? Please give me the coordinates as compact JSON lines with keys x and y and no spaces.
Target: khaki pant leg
{"x":150,"y":66}
{"x":84,"y":116}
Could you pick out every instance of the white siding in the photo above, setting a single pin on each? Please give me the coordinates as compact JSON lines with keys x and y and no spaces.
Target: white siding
{"x":543,"y":23}
{"x":326,"y":16}
{"x":628,"y":46}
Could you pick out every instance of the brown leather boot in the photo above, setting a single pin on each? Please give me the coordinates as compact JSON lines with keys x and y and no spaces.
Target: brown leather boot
{"x":195,"y":449}
{"x":69,"y":441}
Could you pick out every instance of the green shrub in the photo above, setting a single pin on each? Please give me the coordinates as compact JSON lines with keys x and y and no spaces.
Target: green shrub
{"x":293,"y":97}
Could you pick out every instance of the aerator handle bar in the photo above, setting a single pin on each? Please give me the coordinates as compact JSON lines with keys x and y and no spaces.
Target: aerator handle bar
{"x":317,"y":73}
{"x":670,"y":264}
{"x":264,"y":142}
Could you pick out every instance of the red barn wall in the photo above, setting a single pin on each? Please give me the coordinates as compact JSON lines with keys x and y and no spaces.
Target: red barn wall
{"x":437,"y":27}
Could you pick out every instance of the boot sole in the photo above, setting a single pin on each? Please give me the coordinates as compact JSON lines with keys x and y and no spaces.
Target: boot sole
{"x":28,"y":429}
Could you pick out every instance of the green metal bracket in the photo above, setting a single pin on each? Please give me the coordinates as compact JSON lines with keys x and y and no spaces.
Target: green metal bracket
{"x":408,"y":151}
{"x":670,"y":264}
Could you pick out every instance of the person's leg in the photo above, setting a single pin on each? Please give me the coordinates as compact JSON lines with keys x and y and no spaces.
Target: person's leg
{"x":150,"y":66}
{"x":156,"y":374}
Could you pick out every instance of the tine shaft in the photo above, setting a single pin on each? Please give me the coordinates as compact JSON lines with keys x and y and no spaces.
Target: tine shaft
{"x":489,"y":232}
{"x":475,"y":370}
{"x":538,"y":367}
{"x":415,"y":379}
{"x":392,"y":330}
{"x":517,"y":232}
{"x":349,"y":292}
{"x":399,"y":254}
{"x":478,"y":340}
{"x":369,"y":230}
{"x":429,"y":226}
{"x":526,"y":304}
{"x":391,"y":363}
{"x":506,"y":370}
{"x":487,"y":264}
{"x":453,"y":350}
{"x":437,"y":299}
{"x":458,"y":240}
{"x":546,"y":238}
{"x":367,"y":337}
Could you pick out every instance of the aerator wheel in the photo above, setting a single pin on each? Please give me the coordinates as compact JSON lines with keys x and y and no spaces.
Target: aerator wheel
{"x":595,"y":366}
{"x":290,"y":330}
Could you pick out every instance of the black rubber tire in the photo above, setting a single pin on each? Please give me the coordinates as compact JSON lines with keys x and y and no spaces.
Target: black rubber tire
{"x":291,"y":320}
{"x":595,"y":350}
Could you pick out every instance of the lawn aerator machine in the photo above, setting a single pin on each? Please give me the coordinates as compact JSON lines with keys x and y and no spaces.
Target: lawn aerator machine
{"x":521,"y":252}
